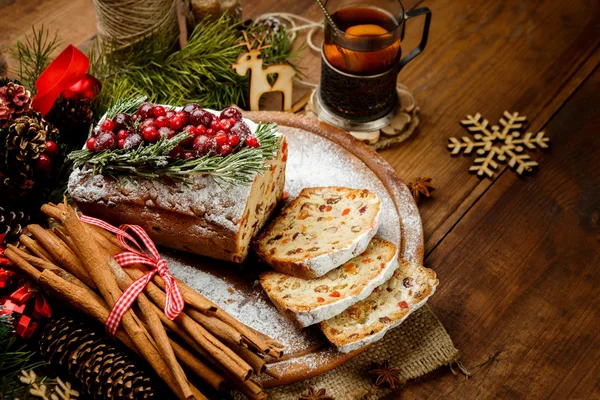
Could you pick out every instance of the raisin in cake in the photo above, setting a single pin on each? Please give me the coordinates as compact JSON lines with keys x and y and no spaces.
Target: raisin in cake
{"x":204,"y":217}
{"x":309,"y":301}
{"x":391,"y":303}
{"x":320,"y":230}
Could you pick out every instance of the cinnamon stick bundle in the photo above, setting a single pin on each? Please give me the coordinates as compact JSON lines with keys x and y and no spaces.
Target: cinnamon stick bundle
{"x":74,"y":262}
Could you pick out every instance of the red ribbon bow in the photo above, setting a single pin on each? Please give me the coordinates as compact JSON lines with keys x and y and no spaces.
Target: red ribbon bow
{"x":137,"y":255}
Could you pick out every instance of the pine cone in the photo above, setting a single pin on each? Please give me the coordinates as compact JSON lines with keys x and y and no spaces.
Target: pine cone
{"x":5,"y":114}
{"x":16,"y":97}
{"x":72,"y":118}
{"x":102,"y":370}
{"x":12,"y":224}
{"x":27,"y":136}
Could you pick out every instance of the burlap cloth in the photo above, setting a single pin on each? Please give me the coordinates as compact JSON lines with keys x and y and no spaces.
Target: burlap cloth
{"x":417,"y":347}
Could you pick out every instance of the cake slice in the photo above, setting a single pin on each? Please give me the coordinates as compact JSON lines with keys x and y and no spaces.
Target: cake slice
{"x":320,"y":230}
{"x":309,"y":301}
{"x":391,"y":303}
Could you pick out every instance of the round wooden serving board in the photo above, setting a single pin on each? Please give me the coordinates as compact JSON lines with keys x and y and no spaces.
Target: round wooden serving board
{"x":319,"y":155}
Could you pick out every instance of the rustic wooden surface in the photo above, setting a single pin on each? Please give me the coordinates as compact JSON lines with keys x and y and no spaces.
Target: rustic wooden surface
{"x":518,"y":258}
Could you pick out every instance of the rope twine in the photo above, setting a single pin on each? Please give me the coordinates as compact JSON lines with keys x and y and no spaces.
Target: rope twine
{"x":124,"y":22}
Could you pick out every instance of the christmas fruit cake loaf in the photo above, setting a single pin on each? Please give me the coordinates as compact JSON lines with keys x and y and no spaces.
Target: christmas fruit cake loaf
{"x":309,"y":301}
{"x":391,"y":303}
{"x":320,"y":230}
{"x":194,"y":179}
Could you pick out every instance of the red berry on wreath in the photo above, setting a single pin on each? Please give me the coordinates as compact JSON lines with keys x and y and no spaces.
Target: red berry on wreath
{"x":107,"y":125}
{"x":221,"y":138}
{"x":161,"y":121}
{"x":225,"y":150}
{"x":150,"y":134}
{"x":176,"y":122}
{"x":252,"y":141}
{"x":233,"y":140}
{"x":51,"y":149}
{"x":231,"y":112}
{"x":122,"y":134}
{"x":43,"y":164}
{"x":159,"y":111}
{"x":90,"y":144}
{"x":145,"y":110}
{"x":106,"y":141}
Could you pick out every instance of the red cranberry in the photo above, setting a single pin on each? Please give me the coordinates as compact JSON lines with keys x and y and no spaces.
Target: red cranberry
{"x":150,"y":134}
{"x":221,"y":138}
{"x":161,"y":121}
{"x":170,"y":114}
{"x":90,"y":144}
{"x":240,"y":129}
{"x":205,"y":145}
{"x":51,"y":149}
{"x":96,"y":131}
{"x":122,"y":121}
{"x":201,"y":130}
{"x":159,"y":111}
{"x":147,"y":122}
{"x":176,"y":153}
{"x":43,"y":164}
{"x":188,"y":154}
{"x":107,"y":125}
{"x":133,"y":142}
{"x":166,"y":132}
{"x":189,"y":108}
{"x":210,"y":132}
{"x":176,"y":122}
{"x":225,"y":150}
{"x":184,"y":116}
{"x":201,"y":117}
{"x":231,"y":112}
{"x":122,"y":134}
{"x":233,"y":140}
{"x":146,"y":110}
{"x":251,"y":141}
{"x":216,"y":125}
{"x":121,"y":143}
{"x":225,"y":125}
{"x":106,"y":141}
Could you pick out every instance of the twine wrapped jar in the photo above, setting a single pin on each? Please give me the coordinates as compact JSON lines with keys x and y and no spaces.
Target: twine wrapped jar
{"x":123,"y":22}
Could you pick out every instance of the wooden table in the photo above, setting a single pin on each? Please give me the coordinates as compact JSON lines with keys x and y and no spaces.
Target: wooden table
{"x":518,"y":258}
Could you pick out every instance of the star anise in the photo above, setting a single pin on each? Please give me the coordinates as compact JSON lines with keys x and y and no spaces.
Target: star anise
{"x":385,"y":374}
{"x":315,"y":394}
{"x":422,"y":187}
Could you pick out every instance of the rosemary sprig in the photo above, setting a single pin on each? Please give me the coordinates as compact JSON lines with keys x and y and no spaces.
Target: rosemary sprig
{"x":34,"y":55}
{"x":125,"y":105}
{"x":152,"y":161}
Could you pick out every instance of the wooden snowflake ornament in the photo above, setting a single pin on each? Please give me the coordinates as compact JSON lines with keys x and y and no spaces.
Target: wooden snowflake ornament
{"x":498,"y":143}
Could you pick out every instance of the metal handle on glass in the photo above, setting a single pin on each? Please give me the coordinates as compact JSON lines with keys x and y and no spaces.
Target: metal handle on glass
{"x":417,"y":50}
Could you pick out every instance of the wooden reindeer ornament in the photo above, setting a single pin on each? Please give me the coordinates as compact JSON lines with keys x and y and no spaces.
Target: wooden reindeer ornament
{"x":259,"y":76}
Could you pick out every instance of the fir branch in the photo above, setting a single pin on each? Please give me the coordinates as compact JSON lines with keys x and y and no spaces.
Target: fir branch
{"x":125,"y":105}
{"x":152,"y":161}
{"x":198,"y":73}
{"x":34,"y":55}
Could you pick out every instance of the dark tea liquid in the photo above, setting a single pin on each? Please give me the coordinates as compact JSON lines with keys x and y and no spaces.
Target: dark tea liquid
{"x":367,"y":42}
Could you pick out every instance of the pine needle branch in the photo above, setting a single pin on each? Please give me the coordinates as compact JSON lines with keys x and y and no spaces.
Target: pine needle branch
{"x":152,"y":161}
{"x":34,"y":55}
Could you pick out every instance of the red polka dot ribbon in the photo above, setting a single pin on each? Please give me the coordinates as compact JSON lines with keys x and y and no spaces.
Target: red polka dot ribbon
{"x":136,"y":254}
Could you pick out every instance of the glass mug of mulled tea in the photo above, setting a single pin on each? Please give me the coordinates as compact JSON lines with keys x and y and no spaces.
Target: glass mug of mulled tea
{"x":360,"y":61}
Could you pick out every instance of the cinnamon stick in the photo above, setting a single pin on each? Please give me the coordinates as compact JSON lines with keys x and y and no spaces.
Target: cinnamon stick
{"x":35,"y":248}
{"x":202,"y":370}
{"x":95,"y":262}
